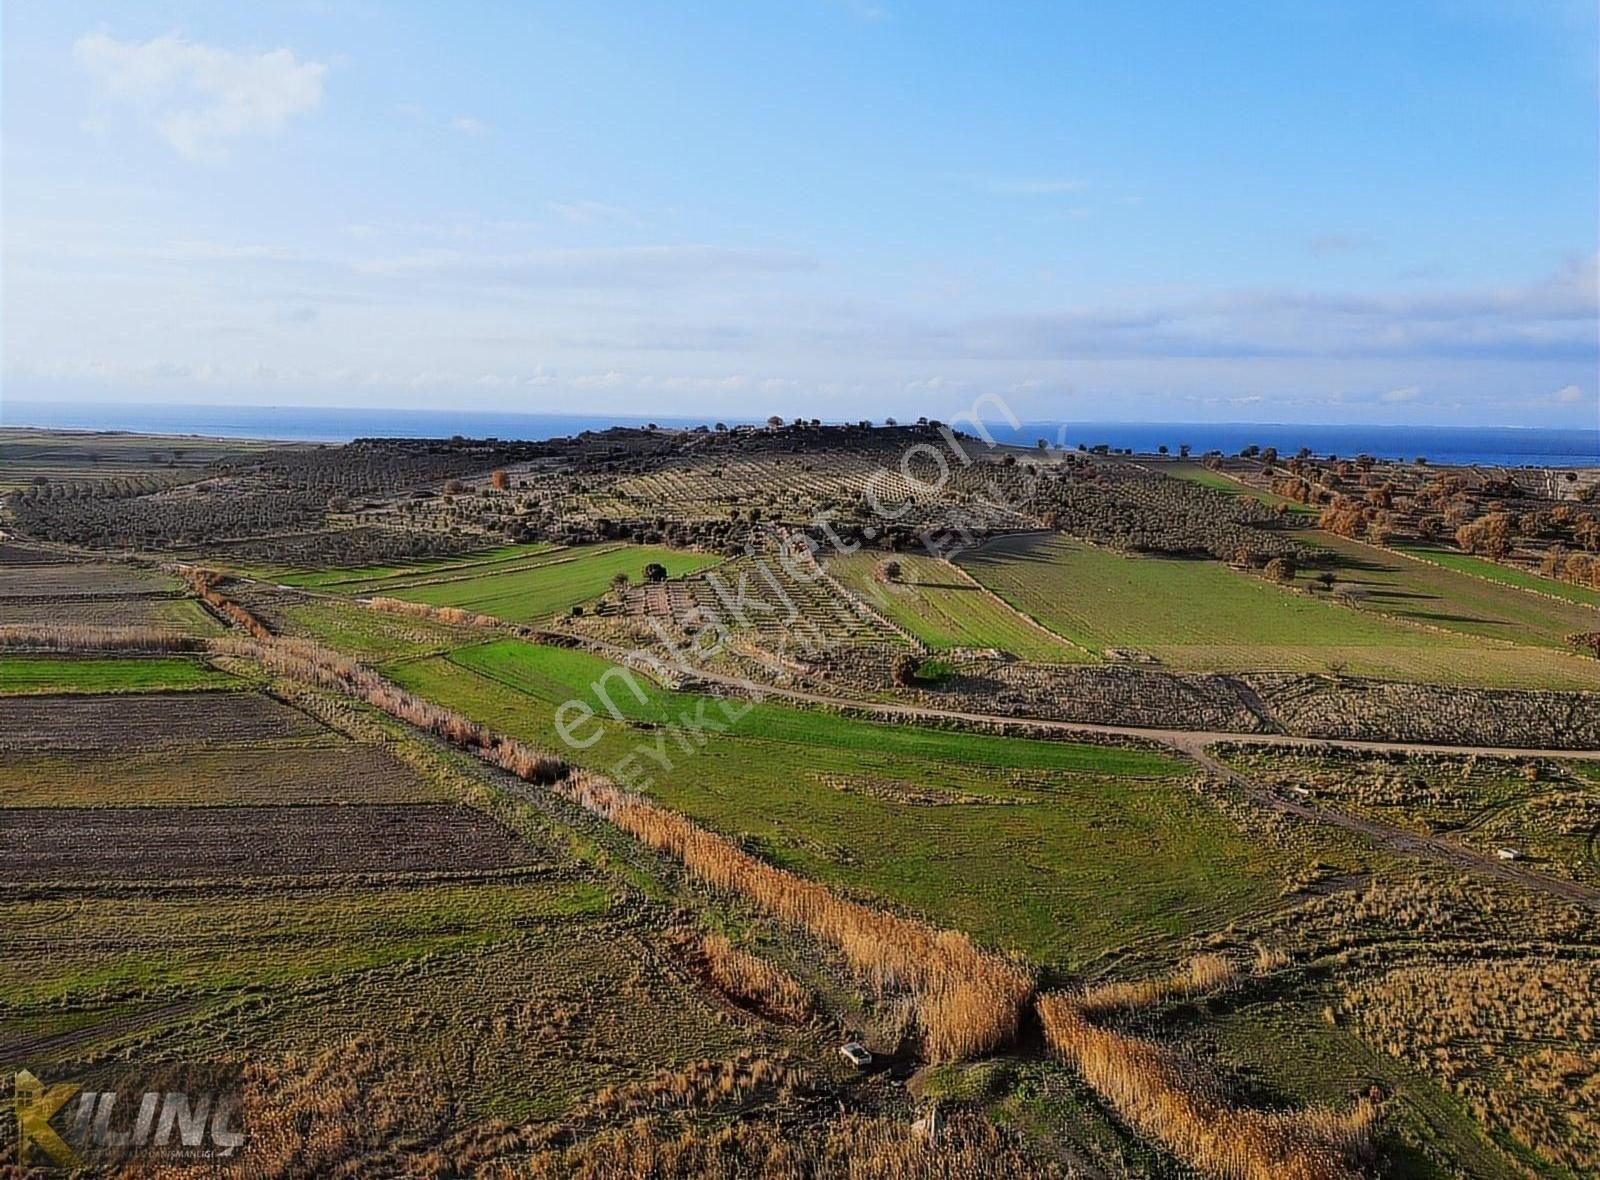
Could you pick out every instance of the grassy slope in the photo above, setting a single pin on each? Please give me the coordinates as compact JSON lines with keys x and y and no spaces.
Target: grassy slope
{"x":944,"y":609}
{"x":1096,"y":860}
{"x":92,"y":456}
{"x":1291,"y":1052}
{"x":182,"y":614}
{"x":1454,"y":600}
{"x":1203,"y":615}
{"x":1451,"y":597}
{"x":552,"y":586}
{"x":1506,"y":575}
{"x":20,"y":675}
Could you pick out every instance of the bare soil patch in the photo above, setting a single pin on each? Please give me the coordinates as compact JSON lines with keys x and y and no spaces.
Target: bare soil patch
{"x":143,"y":720}
{"x":74,"y":844}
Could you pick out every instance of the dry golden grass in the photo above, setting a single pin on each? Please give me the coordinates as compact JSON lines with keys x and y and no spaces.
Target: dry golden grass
{"x":361,"y":1109}
{"x":1518,"y":1039}
{"x":700,"y":1085}
{"x":1201,"y":976}
{"x":1164,"y":1095}
{"x":204,"y":584}
{"x":753,"y":981}
{"x":441,"y":614}
{"x":356,"y":1109}
{"x":75,"y":637}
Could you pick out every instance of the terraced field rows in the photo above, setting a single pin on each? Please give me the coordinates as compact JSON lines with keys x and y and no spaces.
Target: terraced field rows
{"x":784,"y":608}
{"x":144,"y":720}
{"x":354,"y":580}
{"x":944,"y":608}
{"x":222,"y":872}
{"x":37,"y":588}
{"x":105,"y":845}
{"x":548,"y":586}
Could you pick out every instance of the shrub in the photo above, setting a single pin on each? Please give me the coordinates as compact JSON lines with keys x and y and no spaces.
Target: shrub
{"x":1281,"y":569}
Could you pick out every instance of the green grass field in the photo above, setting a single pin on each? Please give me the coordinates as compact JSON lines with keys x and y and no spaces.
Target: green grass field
{"x":21,"y":675}
{"x":1506,"y":575}
{"x":1205,"y":616}
{"x":549,"y":585}
{"x":944,"y":608}
{"x":1443,"y":596}
{"x":368,"y":634}
{"x":1069,"y":850}
{"x":1451,"y":599}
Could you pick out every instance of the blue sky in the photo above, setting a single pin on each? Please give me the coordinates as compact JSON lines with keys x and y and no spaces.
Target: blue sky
{"x":1251,"y":210}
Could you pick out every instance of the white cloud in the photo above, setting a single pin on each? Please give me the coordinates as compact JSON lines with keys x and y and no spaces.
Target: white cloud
{"x":1409,"y":393}
{"x":1551,"y":319}
{"x":467,"y":125}
{"x":1569,"y":395}
{"x":198,"y":97}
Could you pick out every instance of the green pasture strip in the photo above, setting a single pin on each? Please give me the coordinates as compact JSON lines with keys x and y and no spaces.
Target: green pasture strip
{"x":23,"y":675}
{"x":1506,"y":575}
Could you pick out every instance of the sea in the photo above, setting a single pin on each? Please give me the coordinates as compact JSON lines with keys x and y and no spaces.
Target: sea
{"x":1498,"y":446}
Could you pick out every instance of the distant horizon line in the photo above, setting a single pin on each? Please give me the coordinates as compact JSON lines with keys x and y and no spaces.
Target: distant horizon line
{"x":622,"y":417}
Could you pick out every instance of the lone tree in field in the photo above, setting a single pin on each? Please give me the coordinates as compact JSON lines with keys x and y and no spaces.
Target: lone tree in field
{"x":890,"y":570}
{"x":619,"y":583}
{"x":655,"y":572}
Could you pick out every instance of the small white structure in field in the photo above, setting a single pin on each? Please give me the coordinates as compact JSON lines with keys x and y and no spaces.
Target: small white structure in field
{"x":856,"y":1054}
{"x":1302,"y":792}
{"x":1508,"y":854}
